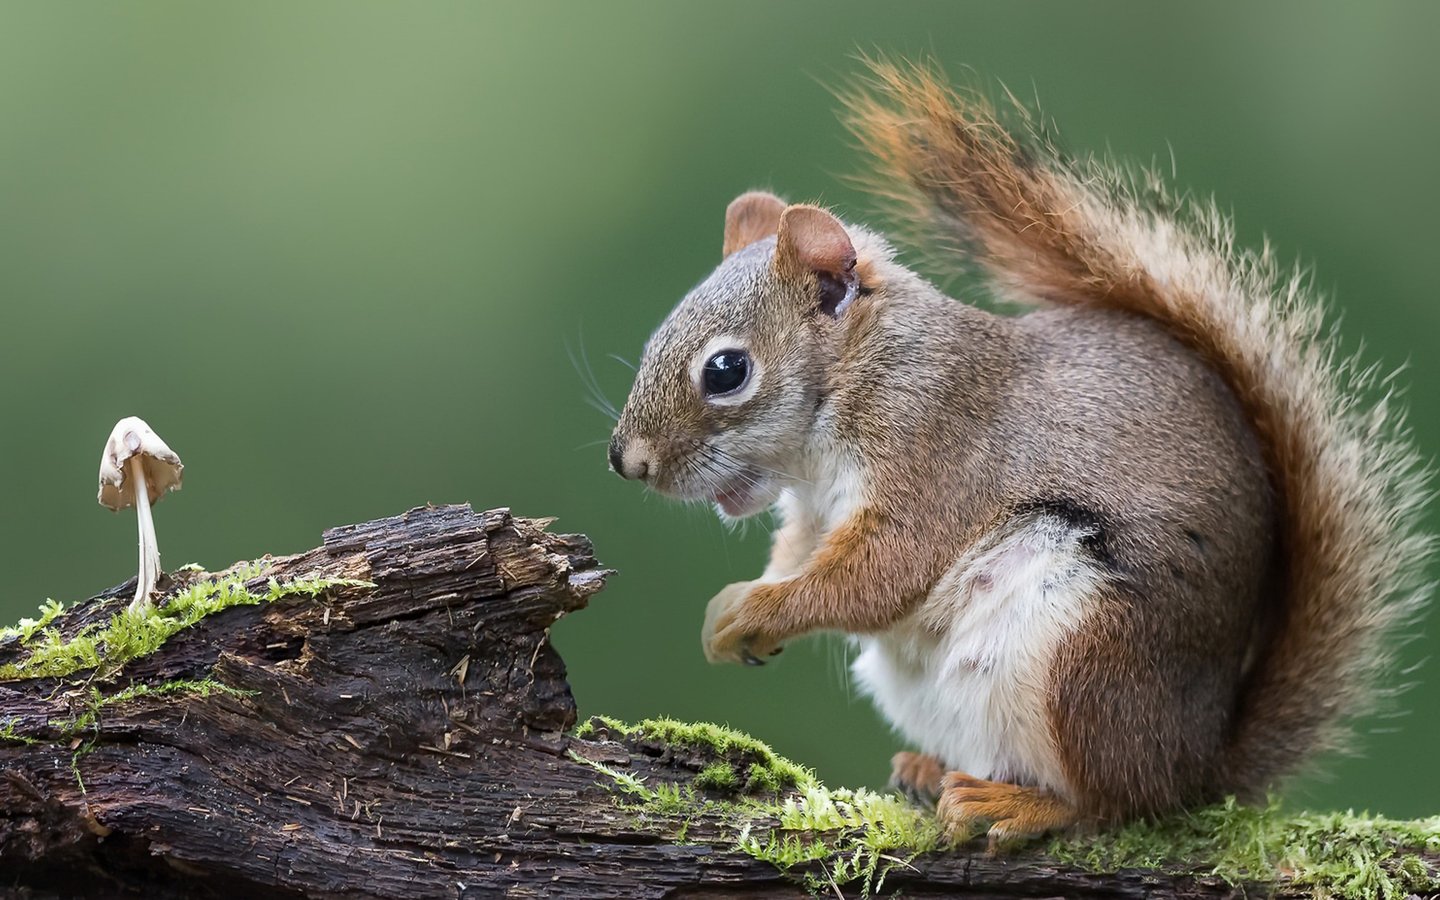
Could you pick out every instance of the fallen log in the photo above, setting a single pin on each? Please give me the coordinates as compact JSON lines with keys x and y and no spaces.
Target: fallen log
{"x":384,"y":716}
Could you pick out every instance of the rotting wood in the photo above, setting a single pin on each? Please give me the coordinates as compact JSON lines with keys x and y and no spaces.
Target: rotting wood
{"x":407,"y":739}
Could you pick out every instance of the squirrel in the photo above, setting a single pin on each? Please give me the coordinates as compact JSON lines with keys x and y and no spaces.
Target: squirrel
{"x":1138,"y":548}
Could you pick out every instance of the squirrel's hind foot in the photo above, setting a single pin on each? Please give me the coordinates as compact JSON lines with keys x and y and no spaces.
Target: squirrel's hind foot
{"x":1014,"y":813}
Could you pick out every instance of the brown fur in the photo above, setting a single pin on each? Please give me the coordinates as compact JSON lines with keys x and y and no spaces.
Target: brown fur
{"x":1012,"y":812}
{"x":917,"y":776}
{"x":1171,"y":403}
{"x":862,"y":578}
{"x":810,"y":240}
{"x":1060,"y":232}
{"x":751,"y":217}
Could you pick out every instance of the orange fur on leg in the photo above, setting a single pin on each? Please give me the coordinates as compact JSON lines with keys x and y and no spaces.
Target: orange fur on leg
{"x":862,"y":578}
{"x":1013,"y":812}
{"x":917,"y":776}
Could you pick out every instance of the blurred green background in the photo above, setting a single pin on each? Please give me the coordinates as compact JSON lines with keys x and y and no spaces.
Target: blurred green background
{"x":335,"y":252}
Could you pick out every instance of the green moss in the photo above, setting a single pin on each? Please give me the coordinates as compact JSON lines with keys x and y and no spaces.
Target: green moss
{"x":185,"y":687}
{"x":850,"y":836}
{"x":88,"y":718}
{"x":26,"y":628}
{"x":587,"y":729}
{"x":836,"y":837}
{"x":766,"y":769}
{"x":767,"y":779}
{"x":831,"y":837}
{"x":131,"y":634}
{"x":624,"y":782}
{"x":718,"y":776}
{"x":75,"y":765}
{"x":1334,"y":855}
{"x":10,"y":734}
{"x":668,"y":799}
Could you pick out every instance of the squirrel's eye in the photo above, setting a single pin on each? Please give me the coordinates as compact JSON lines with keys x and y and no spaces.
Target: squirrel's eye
{"x":725,"y":373}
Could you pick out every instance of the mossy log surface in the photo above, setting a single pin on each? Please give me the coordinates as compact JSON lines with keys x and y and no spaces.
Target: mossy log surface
{"x":409,"y":738}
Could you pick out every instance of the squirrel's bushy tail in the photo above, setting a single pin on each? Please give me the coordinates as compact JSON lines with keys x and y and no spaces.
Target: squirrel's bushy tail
{"x":1049,"y":230}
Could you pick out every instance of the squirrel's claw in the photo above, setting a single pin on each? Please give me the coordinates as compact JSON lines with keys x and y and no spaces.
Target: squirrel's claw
{"x":717,"y":637}
{"x":750,"y":659}
{"x":729,"y":634}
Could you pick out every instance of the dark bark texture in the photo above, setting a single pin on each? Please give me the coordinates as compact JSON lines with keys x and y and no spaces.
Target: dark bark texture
{"x":407,"y":739}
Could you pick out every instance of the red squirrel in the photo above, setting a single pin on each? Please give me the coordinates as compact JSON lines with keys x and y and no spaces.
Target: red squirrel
{"x":1135,"y":549}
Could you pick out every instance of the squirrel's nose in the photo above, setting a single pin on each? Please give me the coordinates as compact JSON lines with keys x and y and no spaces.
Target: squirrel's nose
{"x":630,"y":459}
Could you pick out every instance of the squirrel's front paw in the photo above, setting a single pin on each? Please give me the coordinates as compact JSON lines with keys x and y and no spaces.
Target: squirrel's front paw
{"x":733,"y":631}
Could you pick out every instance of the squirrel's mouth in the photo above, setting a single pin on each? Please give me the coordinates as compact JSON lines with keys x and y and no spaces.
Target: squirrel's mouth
{"x":745,"y":495}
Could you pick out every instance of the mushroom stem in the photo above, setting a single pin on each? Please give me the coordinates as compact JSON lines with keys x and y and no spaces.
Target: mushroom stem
{"x":149,"y":547}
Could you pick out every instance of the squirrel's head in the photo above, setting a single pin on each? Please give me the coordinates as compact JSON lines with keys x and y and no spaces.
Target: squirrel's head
{"x":731,"y":382}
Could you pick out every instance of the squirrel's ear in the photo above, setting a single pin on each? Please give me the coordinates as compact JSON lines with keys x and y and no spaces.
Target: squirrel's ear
{"x":751,"y":217}
{"x":811,"y":241}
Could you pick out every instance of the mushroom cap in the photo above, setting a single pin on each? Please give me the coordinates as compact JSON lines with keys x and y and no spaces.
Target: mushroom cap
{"x":130,"y":438}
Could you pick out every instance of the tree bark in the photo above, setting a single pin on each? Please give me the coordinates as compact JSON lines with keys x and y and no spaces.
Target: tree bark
{"x":404,"y":739}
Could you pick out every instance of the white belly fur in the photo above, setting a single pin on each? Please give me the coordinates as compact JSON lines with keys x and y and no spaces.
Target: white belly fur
{"x":966,"y":676}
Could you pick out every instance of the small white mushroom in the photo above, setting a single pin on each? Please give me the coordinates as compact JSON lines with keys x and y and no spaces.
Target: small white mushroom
{"x":136,"y":469}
